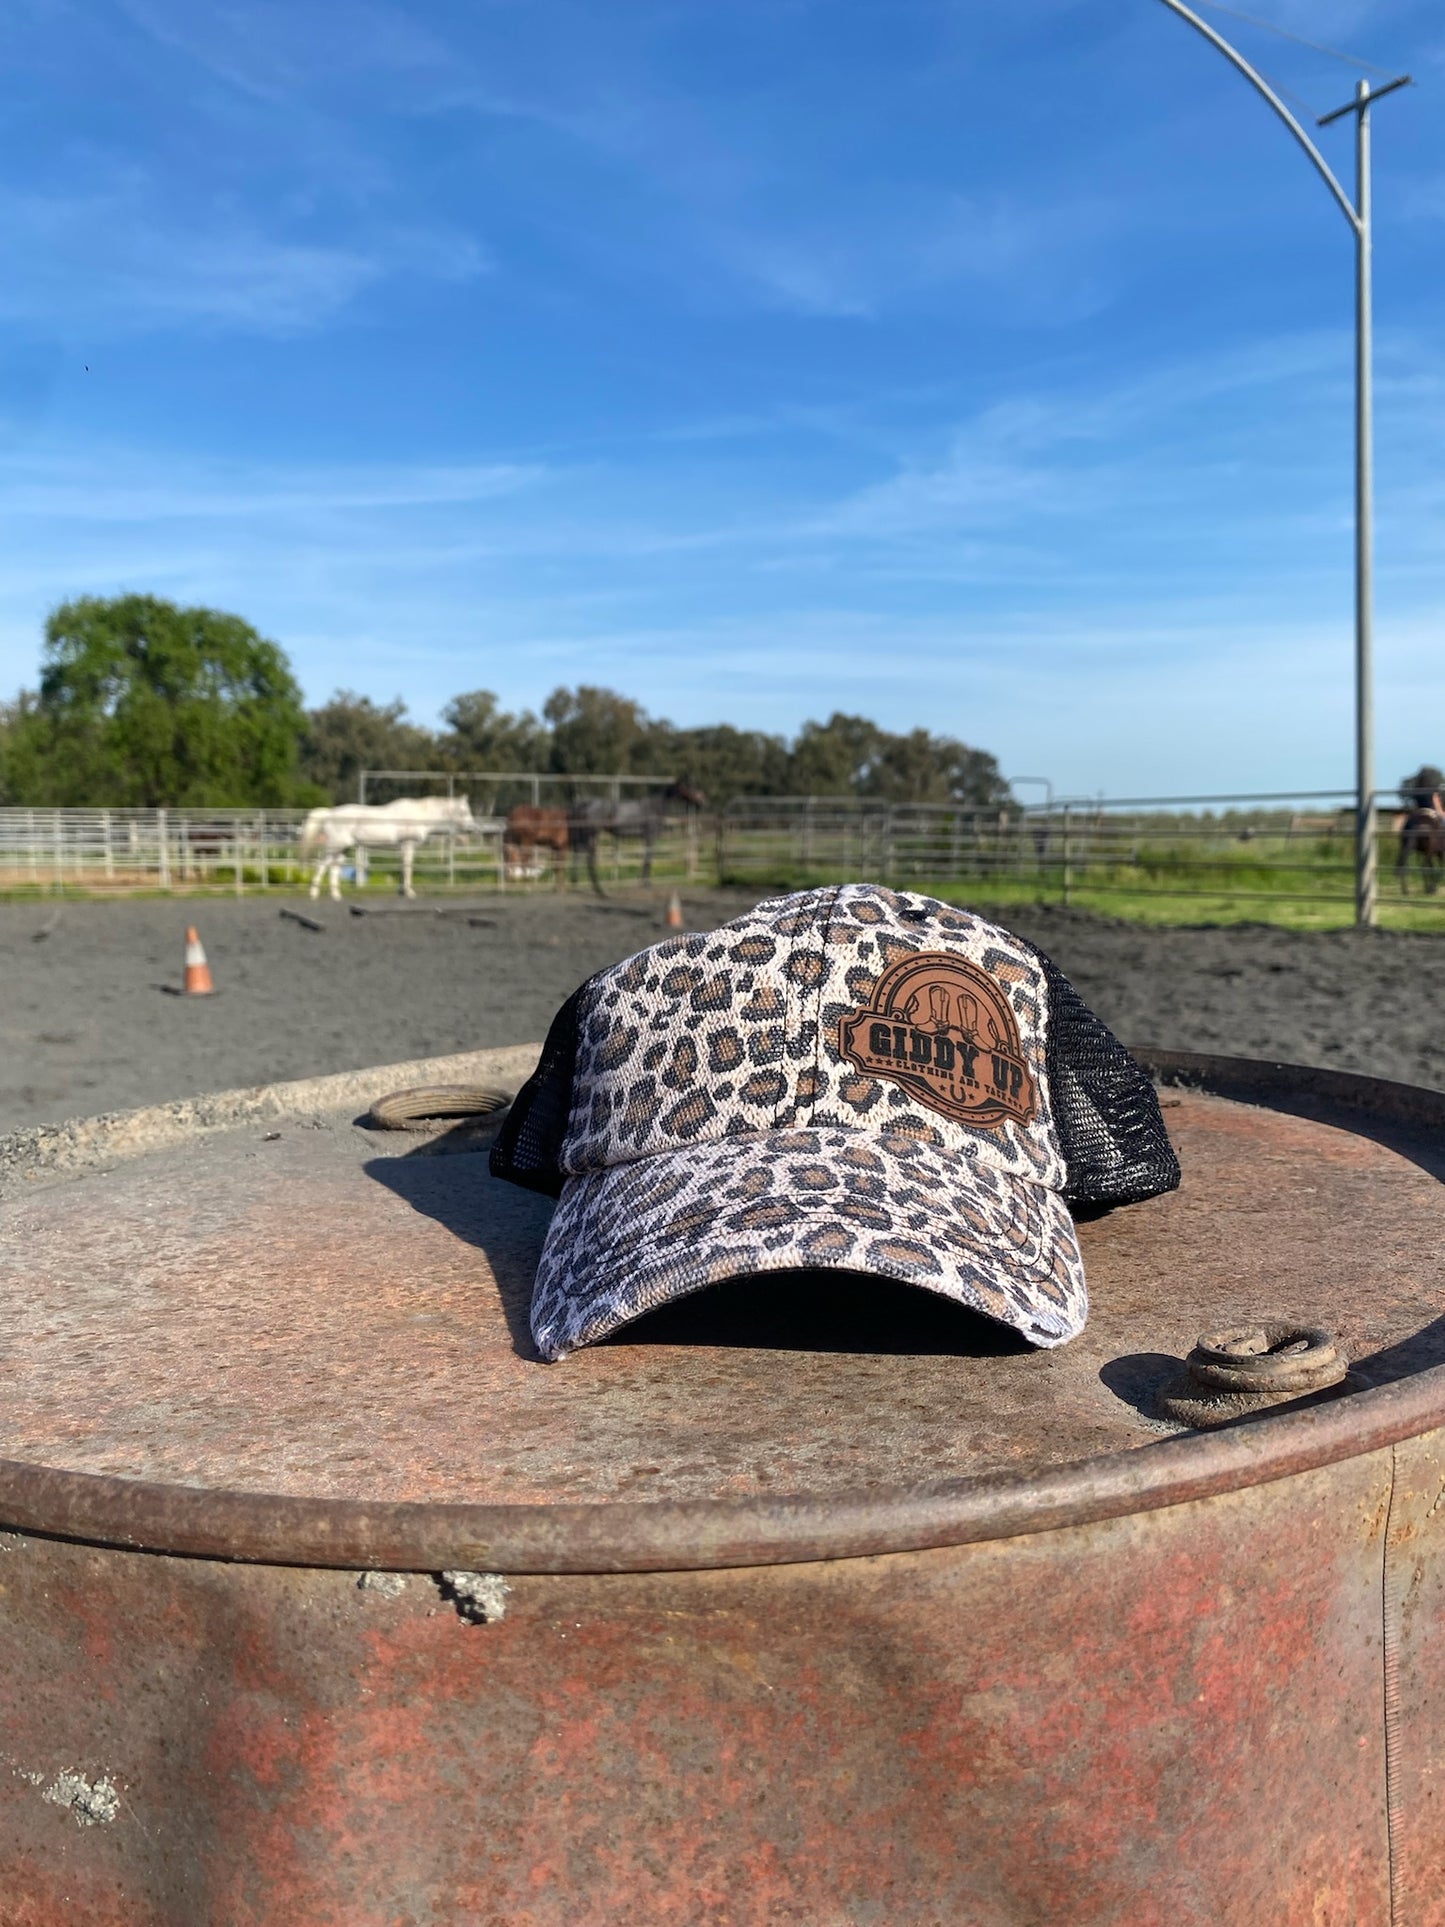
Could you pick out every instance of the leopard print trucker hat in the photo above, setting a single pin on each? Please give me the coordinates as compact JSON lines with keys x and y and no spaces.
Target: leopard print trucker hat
{"x":855,"y":1079}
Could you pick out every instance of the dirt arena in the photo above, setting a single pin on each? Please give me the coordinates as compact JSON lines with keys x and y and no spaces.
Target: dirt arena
{"x":86,"y":1023}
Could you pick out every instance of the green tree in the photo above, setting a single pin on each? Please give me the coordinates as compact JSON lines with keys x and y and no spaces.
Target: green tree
{"x":833,"y":758}
{"x":351,"y":733}
{"x":596,"y":732}
{"x":851,"y":756}
{"x":482,"y":735}
{"x":12,"y":716}
{"x":725,"y":762}
{"x":920,"y":768}
{"x":143,"y":703}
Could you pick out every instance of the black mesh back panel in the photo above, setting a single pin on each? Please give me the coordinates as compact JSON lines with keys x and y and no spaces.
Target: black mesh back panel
{"x":1110,"y":1128}
{"x":528,"y":1147}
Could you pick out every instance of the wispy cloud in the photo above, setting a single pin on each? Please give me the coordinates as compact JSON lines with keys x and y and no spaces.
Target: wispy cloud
{"x":220,"y":175}
{"x":721,"y":199}
{"x":113,"y":258}
{"x":968,"y":498}
{"x":118,"y":485}
{"x":275,"y":51}
{"x":1034,"y":258}
{"x":1083,"y":454}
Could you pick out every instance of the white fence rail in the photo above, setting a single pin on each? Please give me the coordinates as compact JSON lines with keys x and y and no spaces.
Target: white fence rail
{"x":493,"y":792}
{"x":188,"y":850}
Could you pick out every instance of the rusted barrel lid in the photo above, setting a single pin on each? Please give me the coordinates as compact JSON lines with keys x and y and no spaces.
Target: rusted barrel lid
{"x":274,"y":1333}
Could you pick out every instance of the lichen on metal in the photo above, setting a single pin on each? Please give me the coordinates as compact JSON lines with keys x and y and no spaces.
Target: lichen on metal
{"x":391,"y":1585}
{"x":92,"y":1803}
{"x":480,"y":1597}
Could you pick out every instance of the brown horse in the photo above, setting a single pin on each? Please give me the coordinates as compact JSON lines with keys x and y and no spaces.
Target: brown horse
{"x":531,"y":828}
{"x":1422,"y":834}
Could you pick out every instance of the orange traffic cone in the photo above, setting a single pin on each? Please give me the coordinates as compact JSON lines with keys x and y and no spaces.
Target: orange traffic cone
{"x":198,"y":971}
{"x":673,"y":919}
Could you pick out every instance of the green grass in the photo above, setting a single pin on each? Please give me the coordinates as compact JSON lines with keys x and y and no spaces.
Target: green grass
{"x":1197,"y":871}
{"x":1186,"y":899}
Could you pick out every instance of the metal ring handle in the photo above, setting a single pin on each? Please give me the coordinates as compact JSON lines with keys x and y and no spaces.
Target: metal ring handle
{"x":1266,"y":1358}
{"x":426,"y":1106}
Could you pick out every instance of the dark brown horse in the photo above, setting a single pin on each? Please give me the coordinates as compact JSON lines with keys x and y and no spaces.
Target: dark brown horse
{"x":531,"y":828}
{"x":1422,"y":835}
{"x":640,"y":817}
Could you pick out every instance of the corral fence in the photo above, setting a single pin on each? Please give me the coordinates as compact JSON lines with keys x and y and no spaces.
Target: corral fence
{"x":493,"y":794}
{"x":1242,"y":853}
{"x":678,"y":847}
{"x":46,"y":851}
{"x":116,"y":851}
{"x":1239,"y":850}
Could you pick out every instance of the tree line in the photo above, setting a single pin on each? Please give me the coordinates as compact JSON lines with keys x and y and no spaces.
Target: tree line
{"x":145,"y":704}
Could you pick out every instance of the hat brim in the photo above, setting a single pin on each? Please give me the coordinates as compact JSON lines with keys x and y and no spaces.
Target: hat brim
{"x":625,"y":1240}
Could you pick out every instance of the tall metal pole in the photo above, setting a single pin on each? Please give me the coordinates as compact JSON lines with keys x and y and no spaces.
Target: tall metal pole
{"x":1365,"y":854}
{"x":1358,"y":216}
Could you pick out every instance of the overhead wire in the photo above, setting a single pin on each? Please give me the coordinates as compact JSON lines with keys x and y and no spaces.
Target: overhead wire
{"x":1271,"y":26}
{"x":1300,"y":106}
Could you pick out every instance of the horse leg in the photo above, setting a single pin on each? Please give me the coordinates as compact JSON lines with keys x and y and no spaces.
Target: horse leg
{"x":408,"y":856}
{"x":315,"y":890}
{"x":585,"y":844}
{"x":334,"y":865}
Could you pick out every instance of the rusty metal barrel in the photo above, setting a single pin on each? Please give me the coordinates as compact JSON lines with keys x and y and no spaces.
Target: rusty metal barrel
{"x":323,"y":1603}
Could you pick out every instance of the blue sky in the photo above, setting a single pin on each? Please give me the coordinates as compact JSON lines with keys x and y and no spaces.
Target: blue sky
{"x":984,"y":365}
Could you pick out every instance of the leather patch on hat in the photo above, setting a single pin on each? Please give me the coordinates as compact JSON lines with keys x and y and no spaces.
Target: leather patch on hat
{"x":942,"y":1029}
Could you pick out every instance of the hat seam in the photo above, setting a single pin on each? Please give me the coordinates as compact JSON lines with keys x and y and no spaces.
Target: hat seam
{"x":818,"y":1005}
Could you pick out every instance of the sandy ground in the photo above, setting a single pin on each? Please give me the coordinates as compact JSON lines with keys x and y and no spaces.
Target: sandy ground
{"x":86,"y":1023}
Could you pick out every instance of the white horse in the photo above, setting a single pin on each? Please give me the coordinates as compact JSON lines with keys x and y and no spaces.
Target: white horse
{"x":382,"y":826}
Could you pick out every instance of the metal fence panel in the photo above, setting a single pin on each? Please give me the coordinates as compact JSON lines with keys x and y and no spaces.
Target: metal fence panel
{"x":1250,"y":850}
{"x":1200,"y":854}
{"x":104,"y":851}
